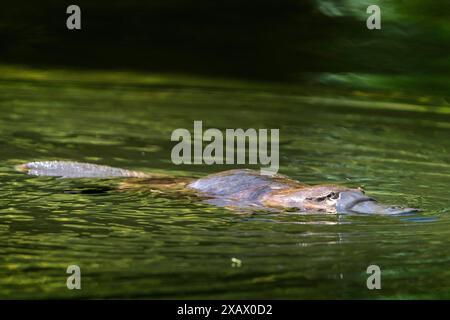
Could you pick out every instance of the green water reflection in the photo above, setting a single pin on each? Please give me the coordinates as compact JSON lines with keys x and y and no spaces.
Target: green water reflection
{"x":147,"y":245}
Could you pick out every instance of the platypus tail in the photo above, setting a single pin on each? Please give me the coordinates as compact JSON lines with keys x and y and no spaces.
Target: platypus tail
{"x":69,"y":169}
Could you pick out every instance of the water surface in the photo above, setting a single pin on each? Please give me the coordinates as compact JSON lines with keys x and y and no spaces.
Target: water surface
{"x":151,"y":245}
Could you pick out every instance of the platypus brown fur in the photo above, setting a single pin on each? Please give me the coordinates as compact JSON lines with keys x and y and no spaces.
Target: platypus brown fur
{"x":240,"y":188}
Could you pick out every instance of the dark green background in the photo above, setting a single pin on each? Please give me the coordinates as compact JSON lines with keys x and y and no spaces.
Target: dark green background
{"x":266,"y":39}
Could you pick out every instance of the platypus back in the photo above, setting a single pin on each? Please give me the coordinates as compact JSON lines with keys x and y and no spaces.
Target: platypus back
{"x":245,"y":184}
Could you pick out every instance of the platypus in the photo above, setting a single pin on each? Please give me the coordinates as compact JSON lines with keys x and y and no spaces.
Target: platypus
{"x":239,"y":188}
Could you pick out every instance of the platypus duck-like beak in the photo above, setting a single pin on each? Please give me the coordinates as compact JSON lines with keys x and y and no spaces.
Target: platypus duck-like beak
{"x":357,"y":202}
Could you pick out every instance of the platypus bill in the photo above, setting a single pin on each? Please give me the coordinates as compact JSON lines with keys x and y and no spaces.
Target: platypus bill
{"x":233,"y":188}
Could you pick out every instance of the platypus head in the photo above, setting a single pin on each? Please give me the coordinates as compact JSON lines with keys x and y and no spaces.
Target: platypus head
{"x":332,"y":199}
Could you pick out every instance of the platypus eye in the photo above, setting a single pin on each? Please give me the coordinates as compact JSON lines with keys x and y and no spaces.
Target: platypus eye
{"x":333,"y":195}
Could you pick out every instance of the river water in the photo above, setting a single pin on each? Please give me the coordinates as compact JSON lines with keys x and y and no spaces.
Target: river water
{"x":142,"y":244}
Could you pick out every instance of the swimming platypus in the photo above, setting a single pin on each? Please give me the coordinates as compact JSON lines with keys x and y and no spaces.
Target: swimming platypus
{"x":233,"y":188}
